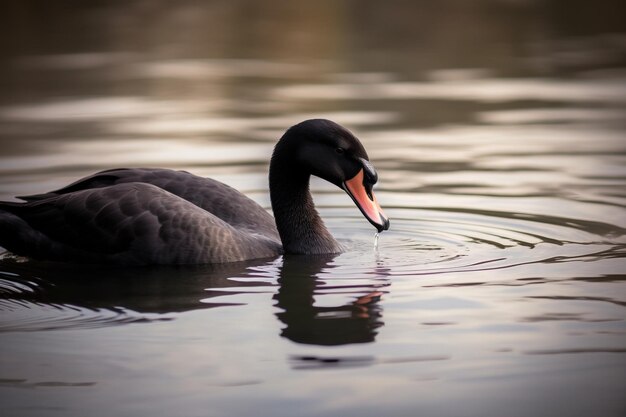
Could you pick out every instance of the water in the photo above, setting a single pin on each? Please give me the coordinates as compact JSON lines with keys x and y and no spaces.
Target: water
{"x":497,"y":130}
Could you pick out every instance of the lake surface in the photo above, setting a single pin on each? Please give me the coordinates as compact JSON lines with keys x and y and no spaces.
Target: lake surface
{"x":498,"y":130}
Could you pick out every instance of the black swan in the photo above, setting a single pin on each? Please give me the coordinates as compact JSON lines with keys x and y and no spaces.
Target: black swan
{"x":158,"y":216}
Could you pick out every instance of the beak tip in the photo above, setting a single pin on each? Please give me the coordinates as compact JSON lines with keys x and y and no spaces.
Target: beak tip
{"x":383,"y":226}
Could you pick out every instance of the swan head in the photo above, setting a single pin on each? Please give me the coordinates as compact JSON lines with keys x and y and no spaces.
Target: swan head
{"x":328,"y":150}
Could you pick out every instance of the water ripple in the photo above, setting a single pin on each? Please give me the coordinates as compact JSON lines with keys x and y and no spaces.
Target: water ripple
{"x":21,"y":315}
{"x":442,"y":240}
{"x":432,"y":242}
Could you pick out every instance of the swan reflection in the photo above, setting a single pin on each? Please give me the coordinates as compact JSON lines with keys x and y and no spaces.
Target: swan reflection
{"x":36,"y":296}
{"x":306,"y":317}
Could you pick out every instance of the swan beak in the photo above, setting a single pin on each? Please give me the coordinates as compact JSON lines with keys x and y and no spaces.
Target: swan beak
{"x":364,"y":198}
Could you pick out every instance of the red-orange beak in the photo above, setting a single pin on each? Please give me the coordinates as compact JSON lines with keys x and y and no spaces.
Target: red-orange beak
{"x":364,"y":198}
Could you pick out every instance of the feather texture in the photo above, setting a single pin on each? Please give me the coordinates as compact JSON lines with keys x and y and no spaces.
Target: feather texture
{"x":137,"y":223}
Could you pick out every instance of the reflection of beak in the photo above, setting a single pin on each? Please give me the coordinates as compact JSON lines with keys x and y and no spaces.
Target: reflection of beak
{"x":364,"y":198}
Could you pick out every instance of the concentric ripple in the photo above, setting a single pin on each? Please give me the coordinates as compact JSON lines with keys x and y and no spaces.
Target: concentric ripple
{"x":444,"y":240}
{"x":30,"y":316}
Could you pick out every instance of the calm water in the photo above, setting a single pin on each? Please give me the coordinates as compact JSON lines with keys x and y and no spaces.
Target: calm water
{"x":498,"y":130}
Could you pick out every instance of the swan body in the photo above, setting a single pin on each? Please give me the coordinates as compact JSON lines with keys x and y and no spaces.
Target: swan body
{"x":147,"y":216}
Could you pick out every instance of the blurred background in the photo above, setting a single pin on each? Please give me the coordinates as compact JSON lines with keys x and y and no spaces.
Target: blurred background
{"x":96,"y":84}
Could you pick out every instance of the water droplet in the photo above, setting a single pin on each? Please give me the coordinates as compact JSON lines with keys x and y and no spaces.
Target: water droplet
{"x":376,"y":240}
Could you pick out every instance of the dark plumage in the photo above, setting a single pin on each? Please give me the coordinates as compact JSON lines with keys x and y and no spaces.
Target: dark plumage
{"x":158,"y":216}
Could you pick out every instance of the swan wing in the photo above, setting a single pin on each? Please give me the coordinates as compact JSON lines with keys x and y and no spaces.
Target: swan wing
{"x":211,"y":195}
{"x":128,"y":223}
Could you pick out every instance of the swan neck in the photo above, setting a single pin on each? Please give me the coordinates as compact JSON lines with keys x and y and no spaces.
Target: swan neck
{"x":301,"y":229}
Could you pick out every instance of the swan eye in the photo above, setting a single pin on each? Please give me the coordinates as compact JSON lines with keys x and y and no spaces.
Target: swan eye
{"x":340,"y":151}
